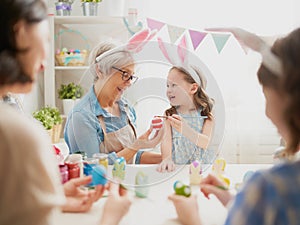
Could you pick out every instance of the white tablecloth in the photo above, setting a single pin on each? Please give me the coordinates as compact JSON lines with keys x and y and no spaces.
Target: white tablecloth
{"x":156,"y":209}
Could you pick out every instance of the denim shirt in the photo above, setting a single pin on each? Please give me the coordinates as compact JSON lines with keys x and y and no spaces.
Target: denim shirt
{"x":83,"y":131}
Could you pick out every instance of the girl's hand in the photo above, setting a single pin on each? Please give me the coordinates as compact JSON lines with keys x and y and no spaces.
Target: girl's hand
{"x":116,"y":206}
{"x":187,"y":209}
{"x":166,"y":165}
{"x":212,"y":185}
{"x":78,"y":199}
{"x":177,"y":122}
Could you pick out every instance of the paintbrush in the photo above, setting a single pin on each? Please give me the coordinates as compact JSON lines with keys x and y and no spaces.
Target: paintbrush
{"x":165,"y":117}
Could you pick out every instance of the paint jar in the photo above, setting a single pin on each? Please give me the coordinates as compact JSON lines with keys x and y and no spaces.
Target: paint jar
{"x":64,"y":173}
{"x":75,"y":166}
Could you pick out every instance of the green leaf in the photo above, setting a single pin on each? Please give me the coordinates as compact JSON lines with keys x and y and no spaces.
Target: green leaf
{"x":48,"y":117}
{"x":70,"y":91}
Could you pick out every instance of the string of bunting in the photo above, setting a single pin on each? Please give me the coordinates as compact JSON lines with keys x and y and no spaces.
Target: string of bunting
{"x":197,"y":37}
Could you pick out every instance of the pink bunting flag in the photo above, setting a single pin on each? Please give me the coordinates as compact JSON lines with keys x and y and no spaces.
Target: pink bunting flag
{"x":197,"y":37}
{"x":154,"y":24}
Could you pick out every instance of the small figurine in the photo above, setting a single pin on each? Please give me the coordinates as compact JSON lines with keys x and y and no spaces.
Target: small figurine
{"x":247,"y":175}
{"x":118,"y":170}
{"x":219,"y":166}
{"x":141,"y":179}
{"x":219,"y":169}
{"x":182,"y":189}
{"x":195,"y":173}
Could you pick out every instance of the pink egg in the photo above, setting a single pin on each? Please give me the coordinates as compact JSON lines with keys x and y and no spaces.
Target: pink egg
{"x":157,"y":123}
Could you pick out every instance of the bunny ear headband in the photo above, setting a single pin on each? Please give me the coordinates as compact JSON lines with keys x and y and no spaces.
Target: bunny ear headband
{"x":178,"y":58}
{"x":269,"y":59}
{"x":134,"y":45}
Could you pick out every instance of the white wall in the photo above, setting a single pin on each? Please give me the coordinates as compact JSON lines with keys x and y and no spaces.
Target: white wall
{"x":249,"y":136}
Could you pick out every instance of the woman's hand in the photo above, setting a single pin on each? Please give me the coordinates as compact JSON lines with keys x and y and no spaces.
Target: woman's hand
{"x":116,"y":206}
{"x":166,"y":165}
{"x":144,"y":142}
{"x":212,"y":185}
{"x":78,"y":199}
{"x":187,"y":209}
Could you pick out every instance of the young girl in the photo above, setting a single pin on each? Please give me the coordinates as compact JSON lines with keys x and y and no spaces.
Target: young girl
{"x":189,"y":122}
{"x":270,"y":196}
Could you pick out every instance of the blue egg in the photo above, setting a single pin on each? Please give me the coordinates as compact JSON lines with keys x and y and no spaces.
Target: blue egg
{"x":247,"y":175}
{"x":99,"y":175}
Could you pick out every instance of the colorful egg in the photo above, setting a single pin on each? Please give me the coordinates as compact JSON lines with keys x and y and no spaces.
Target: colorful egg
{"x":141,"y":180}
{"x":247,"y":175}
{"x":118,"y":170}
{"x":182,"y":189}
{"x":157,"y":123}
{"x":64,"y":50}
{"x":195,"y":172}
{"x":99,"y":175}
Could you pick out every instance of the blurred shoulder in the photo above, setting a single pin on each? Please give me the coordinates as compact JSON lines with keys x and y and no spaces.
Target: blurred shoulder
{"x":17,"y":129}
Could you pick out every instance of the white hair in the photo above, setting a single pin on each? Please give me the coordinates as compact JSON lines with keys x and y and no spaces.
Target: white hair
{"x":105,"y":56}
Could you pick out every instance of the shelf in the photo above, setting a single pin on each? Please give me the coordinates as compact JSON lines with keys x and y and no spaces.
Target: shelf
{"x":50,"y":79}
{"x":87,"y":20}
{"x":71,"y":67}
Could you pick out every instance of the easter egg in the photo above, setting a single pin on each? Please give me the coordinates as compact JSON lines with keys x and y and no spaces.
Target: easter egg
{"x":99,"y":175}
{"x":247,"y":175}
{"x":182,"y":189}
{"x":141,"y":181}
{"x":118,"y":170}
{"x":157,"y":123}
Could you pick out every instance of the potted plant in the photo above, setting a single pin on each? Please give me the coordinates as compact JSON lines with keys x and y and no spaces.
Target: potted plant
{"x":51,"y":119}
{"x":70,"y":94}
{"x":90,"y":7}
{"x":63,"y":7}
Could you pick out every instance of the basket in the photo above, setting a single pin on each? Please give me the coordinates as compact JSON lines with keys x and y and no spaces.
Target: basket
{"x":65,"y":57}
{"x":54,"y":133}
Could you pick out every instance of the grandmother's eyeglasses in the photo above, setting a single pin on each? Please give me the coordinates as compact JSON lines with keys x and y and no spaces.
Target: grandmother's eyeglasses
{"x":126,"y":76}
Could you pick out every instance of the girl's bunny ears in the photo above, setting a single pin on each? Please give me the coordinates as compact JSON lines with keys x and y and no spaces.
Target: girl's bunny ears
{"x":134,"y":45}
{"x":269,"y":59}
{"x":179,"y":58}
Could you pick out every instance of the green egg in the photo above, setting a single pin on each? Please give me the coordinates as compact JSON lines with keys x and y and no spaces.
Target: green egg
{"x":182,"y":189}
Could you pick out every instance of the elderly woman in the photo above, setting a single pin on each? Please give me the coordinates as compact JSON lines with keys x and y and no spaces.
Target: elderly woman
{"x":103,"y":121}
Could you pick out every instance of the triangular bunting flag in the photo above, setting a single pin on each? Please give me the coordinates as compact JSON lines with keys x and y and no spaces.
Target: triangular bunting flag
{"x":196,"y":37}
{"x":175,"y":32}
{"x":220,"y":40}
{"x":154,"y":24}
